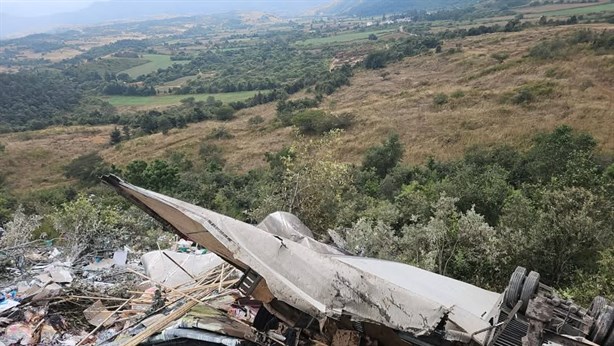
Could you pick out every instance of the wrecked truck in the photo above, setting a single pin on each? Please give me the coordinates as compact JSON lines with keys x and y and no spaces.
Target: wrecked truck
{"x":328,"y":297}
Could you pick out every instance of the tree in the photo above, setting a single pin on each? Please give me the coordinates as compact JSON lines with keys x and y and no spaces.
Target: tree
{"x":559,"y":234}
{"x":86,"y":225}
{"x":313,"y":184}
{"x":550,"y":155}
{"x":382,"y":159}
{"x":376,"y":60}
{"x":87,"y":168}
{"x":115,"y":136}
{"x":158,"y":175}
{"x":126,"y":132}
{"x":164,"y":125}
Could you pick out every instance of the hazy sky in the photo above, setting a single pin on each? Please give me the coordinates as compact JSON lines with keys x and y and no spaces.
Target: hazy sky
{"x":33,"y":8}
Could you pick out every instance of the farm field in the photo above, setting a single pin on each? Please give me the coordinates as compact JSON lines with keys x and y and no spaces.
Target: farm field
{"x":581,"y":10}
{"x":564,"y":9}
{"x":174,"y":83}
{"x":169,"y":100}
{"x":156,"y":61}
{"x":343,"y":38}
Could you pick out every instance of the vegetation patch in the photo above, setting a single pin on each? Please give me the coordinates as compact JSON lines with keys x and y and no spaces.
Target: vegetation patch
{"x":168,"y":100}
{"x":152,"y":63}
{"x":531,"y":92}
{"x":317,"y":122}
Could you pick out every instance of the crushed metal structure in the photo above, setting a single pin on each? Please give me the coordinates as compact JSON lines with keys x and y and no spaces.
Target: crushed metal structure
{"x":327,"y":297}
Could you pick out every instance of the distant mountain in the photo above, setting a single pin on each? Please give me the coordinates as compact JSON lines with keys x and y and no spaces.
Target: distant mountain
{"x":121,"y":10}
{"x":379,"y":7}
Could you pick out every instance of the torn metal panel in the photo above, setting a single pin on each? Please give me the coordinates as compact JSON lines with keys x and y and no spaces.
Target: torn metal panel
{"x":289,"y":226}
{"x":322,"y":284}
{"x":175,"y":268}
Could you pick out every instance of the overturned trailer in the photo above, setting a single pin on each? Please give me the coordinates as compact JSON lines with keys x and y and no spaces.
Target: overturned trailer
{"x":328,"y":297}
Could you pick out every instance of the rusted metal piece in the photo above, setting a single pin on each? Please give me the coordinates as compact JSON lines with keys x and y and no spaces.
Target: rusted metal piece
{"x":539,"y":313}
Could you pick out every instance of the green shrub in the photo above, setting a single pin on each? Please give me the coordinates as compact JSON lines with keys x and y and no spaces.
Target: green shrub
{"x":548,"y":50}
{"x":376,"y":60}
{"x":319,"y":122}
{"x":87,"y":168}
{"x":530,"y":92}
{"x":255,"y":120}
{"x":440,"y":99}
{"x":219,"y":133}
{"x":457,"y":94}
{"x":500,"y":56}
{"x":224,"y":113}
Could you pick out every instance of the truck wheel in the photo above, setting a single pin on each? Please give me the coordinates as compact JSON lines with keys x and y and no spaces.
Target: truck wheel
{"x":512,"y":294}
{"x":595,"y":308}
{"x":529,"y":288}
{"x":603,"y":324}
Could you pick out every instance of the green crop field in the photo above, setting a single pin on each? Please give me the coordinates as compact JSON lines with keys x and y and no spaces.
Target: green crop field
{"x":343,"y":38}
{"x":581,"y":10}
{"x":169,"y":100}
{"x":156,"y":61}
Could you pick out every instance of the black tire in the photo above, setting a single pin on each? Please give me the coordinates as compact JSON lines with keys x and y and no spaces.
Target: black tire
{"x":514,"y":288}
{"x":595,"y":308}
{"x":603,"y":324}
{"x":529,"y":288}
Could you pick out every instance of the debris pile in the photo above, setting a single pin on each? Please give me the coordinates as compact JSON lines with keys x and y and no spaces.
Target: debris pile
{"x":120,"y":298}
{"x":270,"y":284}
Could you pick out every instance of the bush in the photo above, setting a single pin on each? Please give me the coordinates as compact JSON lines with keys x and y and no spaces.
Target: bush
{"x":376,"y":60}
{"x":549,"y":50}
{"x":530,"y":92}
{"x":87,"y":168}
{"x":440,"y":99}
{"x":223,"y":113}
{"x":500,"y":56}
{"x":212,"y":155}
{"x":219,"y":133}
{"x":20,"y":229}
{"x":457,"y":94}
{"x":318,"y":122}
{"x":255,"y":120}
{"x":382,"y":159}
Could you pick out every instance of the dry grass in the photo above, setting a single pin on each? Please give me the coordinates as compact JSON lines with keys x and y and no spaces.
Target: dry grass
{"x":402,"y":102}
{"x":245,"y":151}
{"x":35,"y":159}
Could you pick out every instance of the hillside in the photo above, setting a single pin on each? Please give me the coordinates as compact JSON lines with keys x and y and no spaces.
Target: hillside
{"x":373,"y":8}
{"x":398,"y":98}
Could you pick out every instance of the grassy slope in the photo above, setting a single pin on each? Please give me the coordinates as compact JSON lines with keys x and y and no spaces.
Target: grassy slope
{"x":156,"y":61}
{"x":35,"y":159}
{"x":402,"y":102}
